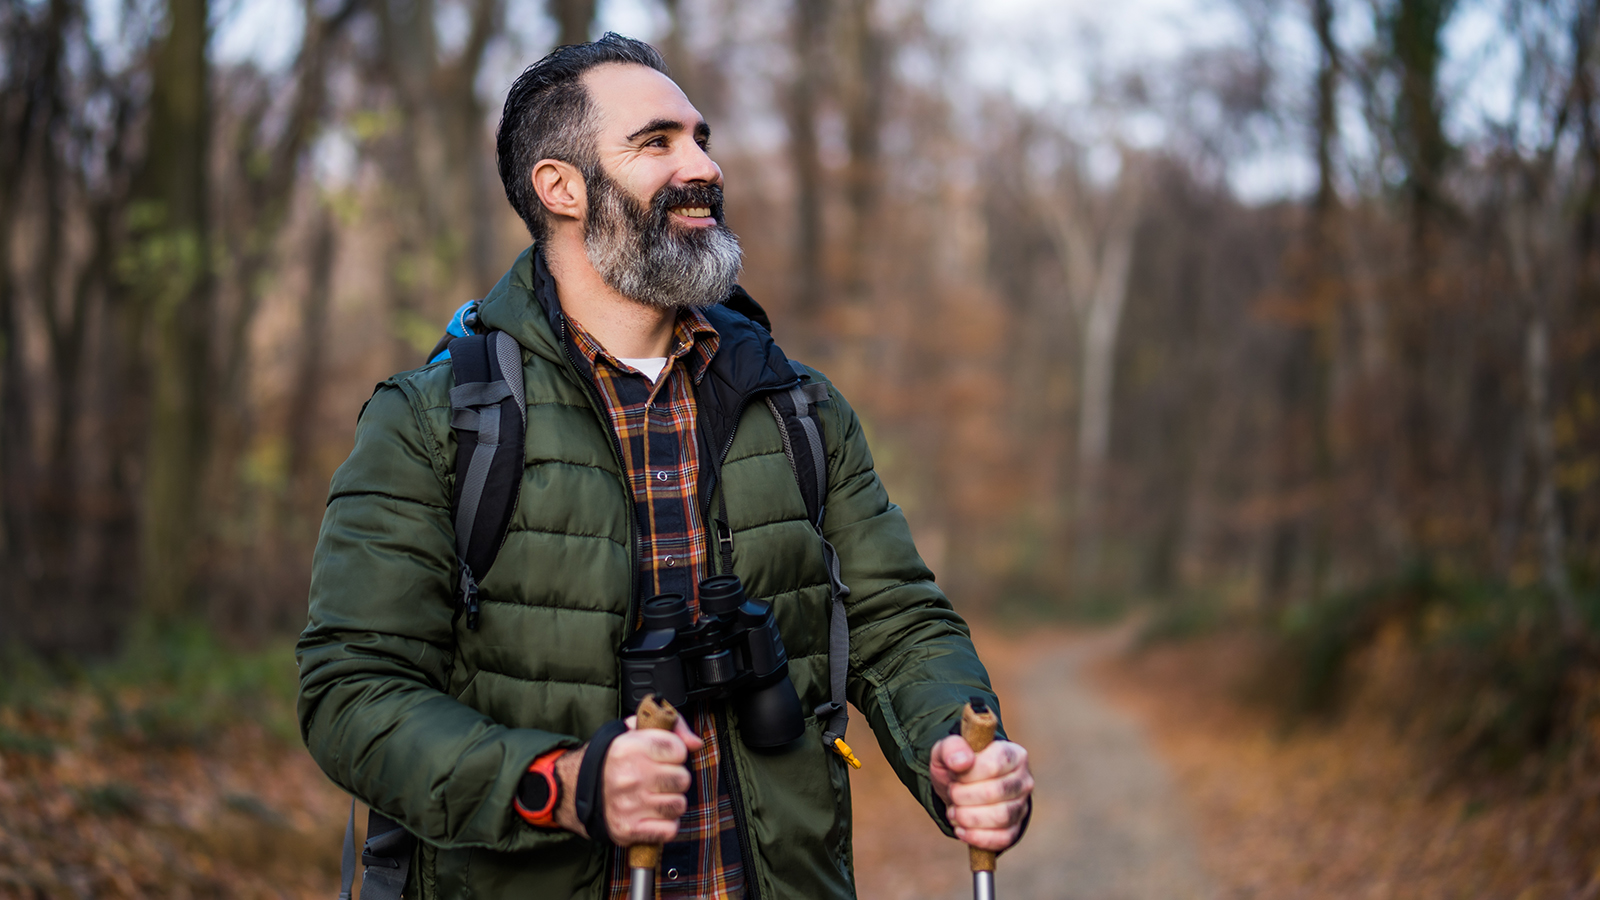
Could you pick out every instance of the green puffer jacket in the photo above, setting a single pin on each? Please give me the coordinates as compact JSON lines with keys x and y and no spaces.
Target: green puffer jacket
{"x":433,"y":724}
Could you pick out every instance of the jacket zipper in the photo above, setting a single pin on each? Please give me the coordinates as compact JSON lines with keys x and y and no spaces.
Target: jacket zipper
{"x":730,"y":773}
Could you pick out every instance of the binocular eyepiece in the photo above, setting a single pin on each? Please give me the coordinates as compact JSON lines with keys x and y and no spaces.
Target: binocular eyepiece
{"x":732,"y":651}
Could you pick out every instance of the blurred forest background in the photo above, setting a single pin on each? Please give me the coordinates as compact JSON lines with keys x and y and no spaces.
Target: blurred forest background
{"x":1266,"y":315}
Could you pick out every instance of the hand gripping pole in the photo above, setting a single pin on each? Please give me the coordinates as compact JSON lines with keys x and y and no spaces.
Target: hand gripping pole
{"x":644,"y":858}
{"x":978,"y":723}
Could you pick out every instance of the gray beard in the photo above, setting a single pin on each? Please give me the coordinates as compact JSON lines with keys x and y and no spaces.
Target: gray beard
{"x":644,"y":257}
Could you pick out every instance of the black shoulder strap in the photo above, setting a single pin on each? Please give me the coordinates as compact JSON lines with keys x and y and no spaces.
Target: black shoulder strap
{"x":800,"y":428}
{"x":385,"y":857}
{"x":489,"y":414}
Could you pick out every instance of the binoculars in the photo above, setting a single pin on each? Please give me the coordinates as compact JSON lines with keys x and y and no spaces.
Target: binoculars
{"x":732,"y":651}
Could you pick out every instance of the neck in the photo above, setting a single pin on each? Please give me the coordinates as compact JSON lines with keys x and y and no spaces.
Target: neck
{"x":625,"y":327}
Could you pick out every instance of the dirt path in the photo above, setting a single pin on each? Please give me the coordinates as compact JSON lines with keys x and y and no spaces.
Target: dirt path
{"x":1107,"y":826}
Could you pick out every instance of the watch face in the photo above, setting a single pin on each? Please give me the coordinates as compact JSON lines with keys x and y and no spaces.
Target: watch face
{"x":534,"y":790}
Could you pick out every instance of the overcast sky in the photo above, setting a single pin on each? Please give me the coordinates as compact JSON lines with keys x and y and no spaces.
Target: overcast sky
{"x":1041,"y":51}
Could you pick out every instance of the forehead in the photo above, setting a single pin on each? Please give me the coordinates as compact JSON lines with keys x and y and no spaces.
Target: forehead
{"x":626,"y":97}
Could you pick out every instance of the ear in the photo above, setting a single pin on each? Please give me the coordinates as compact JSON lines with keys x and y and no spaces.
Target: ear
{"x":560,"y":187}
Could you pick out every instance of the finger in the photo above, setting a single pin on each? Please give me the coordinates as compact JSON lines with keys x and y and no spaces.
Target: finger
{"x":632,"y":722}
{"x":627,"y":811}
{"x":644,"y":831}
{"x":690,"y":739}
{"x":998,"y":759}
{"x":994,"y":816}
{"x":988,"y":839}
{"x":667,"y":779}
{"x":952,"y":754}
{"x":667,"y":806}
{"x":664,"y":746}
{"x":1013,"y":786}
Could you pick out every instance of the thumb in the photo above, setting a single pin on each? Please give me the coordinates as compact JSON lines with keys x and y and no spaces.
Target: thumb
{"x":690,"y":739}
{"x":953,"y":754}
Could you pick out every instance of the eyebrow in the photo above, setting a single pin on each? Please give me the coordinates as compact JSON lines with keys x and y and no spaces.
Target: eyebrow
{"x":701,"y":129}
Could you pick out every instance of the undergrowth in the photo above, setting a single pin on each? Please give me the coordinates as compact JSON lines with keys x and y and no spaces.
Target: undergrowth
{"x":1481,"y":669}
{"x":179,"y":687}
{"x":1477,"y":670}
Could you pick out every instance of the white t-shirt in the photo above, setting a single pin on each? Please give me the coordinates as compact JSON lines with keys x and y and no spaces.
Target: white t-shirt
{"x":650,"y":367}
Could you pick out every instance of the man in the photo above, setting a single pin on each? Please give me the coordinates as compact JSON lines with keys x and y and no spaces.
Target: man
{"x":651,"y":462}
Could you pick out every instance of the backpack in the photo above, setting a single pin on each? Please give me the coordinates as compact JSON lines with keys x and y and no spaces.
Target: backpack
{"x":489,"y":417}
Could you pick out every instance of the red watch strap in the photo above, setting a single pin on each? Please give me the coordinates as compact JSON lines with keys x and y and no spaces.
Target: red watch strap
{"x":544,"y":817}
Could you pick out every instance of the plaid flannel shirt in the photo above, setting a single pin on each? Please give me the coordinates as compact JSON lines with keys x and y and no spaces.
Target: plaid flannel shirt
{"x":655,"y":424}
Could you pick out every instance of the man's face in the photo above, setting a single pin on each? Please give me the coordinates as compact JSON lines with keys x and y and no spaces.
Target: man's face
{"x":654,"y":229}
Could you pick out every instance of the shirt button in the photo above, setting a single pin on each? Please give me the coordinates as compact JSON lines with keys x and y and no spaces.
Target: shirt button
{"x":672,"y":874}
{"x":661,"y":476}
{"x":671,"y":562}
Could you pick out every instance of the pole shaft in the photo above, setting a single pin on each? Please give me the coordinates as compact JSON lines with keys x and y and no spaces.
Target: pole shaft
{"x":642,"y":884}
{"x":643,"y":858}
{"x":978,"y":724}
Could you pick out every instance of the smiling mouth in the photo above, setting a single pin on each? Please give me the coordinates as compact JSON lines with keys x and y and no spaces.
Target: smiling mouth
{"x":693,"y":212}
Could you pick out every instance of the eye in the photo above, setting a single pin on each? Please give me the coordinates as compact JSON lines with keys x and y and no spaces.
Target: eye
{"x":659,"y":140}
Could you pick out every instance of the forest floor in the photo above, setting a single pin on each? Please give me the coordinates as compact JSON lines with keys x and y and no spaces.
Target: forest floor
{"x":1155,"y":779}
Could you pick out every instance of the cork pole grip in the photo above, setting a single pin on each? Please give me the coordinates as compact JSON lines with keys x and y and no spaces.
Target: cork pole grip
{"x":653,"y":713}
{"x":978,"y":723}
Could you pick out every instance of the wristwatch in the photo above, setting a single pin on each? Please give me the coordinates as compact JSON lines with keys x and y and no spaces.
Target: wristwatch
{"x":539,"y":792}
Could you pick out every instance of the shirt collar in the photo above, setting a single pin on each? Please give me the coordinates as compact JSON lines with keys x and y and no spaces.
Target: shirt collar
{"x":694,"y":340}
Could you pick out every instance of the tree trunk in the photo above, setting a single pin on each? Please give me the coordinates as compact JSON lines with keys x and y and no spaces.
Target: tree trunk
{"x":446,"y":251}
{"x":1102,"y":320}
{"x":1305,"y":380}
{"x":573,"y":18}
{"x":20,"y":104}
{"x":308,"y":386}
{"x":1414,"y":30}
{"x":1546,"y":508}
{"x":1529,"y":236}
{"x":864,"y":93}
{"x":169,"y":225}
{"x":809,"y":33}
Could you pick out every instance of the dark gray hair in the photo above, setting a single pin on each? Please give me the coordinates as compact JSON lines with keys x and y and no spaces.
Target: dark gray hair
{"x":547,"y":116}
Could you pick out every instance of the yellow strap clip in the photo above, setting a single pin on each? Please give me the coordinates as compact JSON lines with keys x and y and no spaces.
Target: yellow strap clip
{"x":843,"y":750}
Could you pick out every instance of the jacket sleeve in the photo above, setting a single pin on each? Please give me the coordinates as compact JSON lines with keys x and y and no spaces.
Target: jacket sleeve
{"x":912,"y":663}
{"x":375,"y":657}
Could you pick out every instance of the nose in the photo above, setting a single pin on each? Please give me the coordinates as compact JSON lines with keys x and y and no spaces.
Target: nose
{"x":697,"y":165}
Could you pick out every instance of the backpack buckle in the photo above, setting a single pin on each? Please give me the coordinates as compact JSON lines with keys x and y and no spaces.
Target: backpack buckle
{"x":469,"y":596}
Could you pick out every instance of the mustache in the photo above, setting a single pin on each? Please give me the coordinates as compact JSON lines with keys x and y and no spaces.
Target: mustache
{"x":673,"y":196}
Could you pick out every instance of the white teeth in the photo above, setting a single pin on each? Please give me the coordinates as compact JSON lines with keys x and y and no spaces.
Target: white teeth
{"x":694,"y":212}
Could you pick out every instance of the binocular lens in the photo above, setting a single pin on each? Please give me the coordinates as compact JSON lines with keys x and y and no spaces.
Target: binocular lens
{"x":721,"y":594}
{"x":665,"y":611}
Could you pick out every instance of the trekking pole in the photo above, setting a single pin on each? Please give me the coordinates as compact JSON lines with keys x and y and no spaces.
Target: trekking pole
{"x":978,"y":723}
{"x":643,"y":858}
